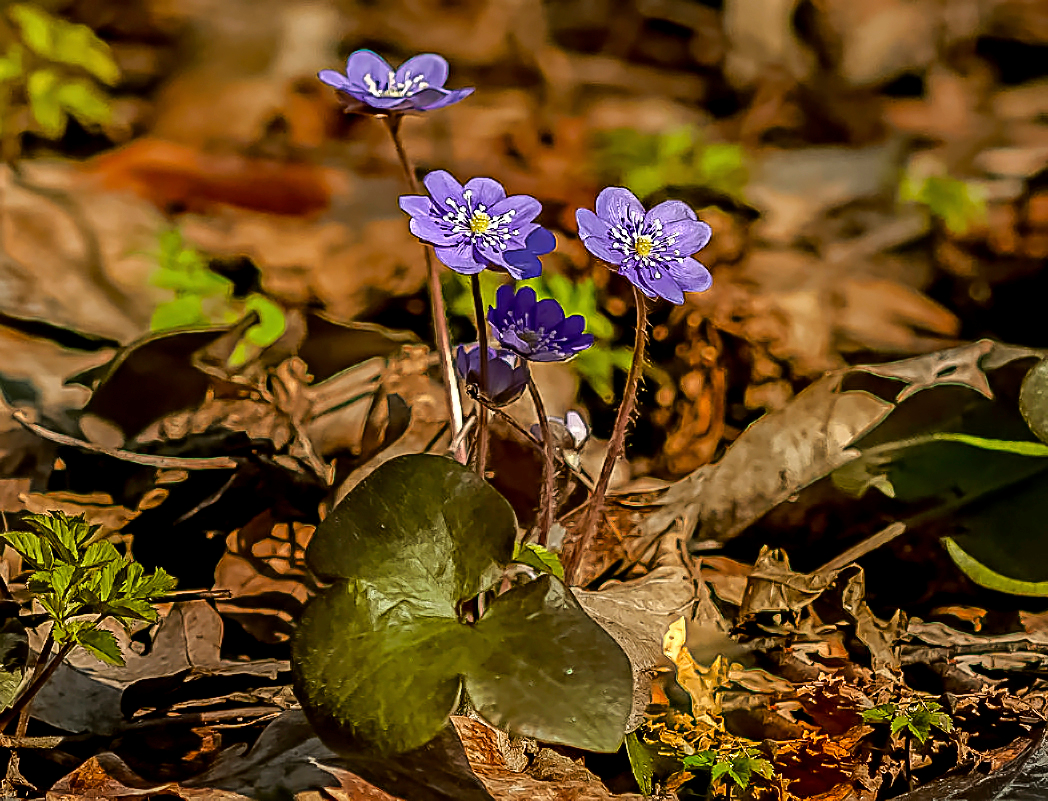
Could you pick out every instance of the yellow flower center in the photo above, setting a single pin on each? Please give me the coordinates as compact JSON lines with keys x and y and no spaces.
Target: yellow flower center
{"x":479,"y":222}
{"x":642,"y":247}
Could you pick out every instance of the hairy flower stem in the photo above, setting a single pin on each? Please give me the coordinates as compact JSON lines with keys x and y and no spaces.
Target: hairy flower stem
{"x":549,"y":474}
{"x":482,"y":343}
{"x":616,"y":446}
{"x":436,"y":303}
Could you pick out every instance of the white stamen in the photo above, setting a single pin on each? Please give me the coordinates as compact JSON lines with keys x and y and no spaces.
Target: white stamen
{"x":406,"y":88}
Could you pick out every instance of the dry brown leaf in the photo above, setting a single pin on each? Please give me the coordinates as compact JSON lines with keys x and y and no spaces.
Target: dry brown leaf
{"x":106,"y":776}
{"x":189,"y":638}
{"x":787,"y":450}
{"x":550,"y":776}
{"x":777,"y":456}
{"x":171,"y":175}
{"x":74,"y":256}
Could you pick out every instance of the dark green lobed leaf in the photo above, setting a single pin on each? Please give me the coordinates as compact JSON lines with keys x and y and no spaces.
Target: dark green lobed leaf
{"x":380,"y":658}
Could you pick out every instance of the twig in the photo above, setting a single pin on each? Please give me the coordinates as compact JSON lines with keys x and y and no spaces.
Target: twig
{"x":150,"y":460}
{"x":13,"y":774}
{"x":467,"y":426}
{"x":195,"y":595}
{"x":210,"y":500}
{"x":914,"y":656}
{"x":35,"y":684}
{"x":436,"y":301}
{"x":859,"y":550}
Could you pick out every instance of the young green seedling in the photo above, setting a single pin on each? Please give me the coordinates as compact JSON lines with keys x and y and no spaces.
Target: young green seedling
{"x":80,"y":581}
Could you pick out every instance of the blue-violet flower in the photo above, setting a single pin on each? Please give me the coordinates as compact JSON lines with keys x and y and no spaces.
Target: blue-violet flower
{"x":650,"y":249}
{"x":374,"y":87}
{"x":536,"y":330}
{"x":507,"y":373}
{"x":477,"y":226}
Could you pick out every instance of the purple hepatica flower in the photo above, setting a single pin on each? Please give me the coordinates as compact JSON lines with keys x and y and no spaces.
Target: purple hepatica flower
{"x":507,"y":374}
{"x":476,"y":226}
{"x":652,"y":250}
{"x":536,"y":330}
{"x":376,"y":88}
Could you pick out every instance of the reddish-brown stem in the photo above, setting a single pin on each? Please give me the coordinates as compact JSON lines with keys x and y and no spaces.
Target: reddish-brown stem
{"x":482,"y":345}
{"x":549,"y":475}
{"x":23,"y":717}
{"x":576,"y":547}
{"x":436,"y":304}
{"x":38,"y":681}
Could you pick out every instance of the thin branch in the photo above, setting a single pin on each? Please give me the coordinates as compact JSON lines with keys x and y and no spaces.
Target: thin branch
{"x":436,"y":302}
{"x":150,"y":460}
{"x":37,"y":682}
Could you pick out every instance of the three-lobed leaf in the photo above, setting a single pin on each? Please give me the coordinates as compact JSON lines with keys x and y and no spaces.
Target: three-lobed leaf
{"x":381,"y":657}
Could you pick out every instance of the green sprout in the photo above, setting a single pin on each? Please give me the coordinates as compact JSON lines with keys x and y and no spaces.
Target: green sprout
{"x":959,"y":204}
{"x":54,"y":67}
{"x":647,"y":163}
{"x":916,"y":719}
{"x":204,"y":298}
{"x":737,"y":765}
{"x":81,"y":580}
{"x":538,"y":557}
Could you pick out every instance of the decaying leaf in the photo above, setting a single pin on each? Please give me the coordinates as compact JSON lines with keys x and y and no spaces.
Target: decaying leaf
{"x":812,"y":436}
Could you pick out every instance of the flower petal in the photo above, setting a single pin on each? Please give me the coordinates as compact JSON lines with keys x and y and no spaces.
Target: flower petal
{"x":594,"y":233}
{"x":429,"y":230}
{"x":383,"y":103}
{"x":433,"y":68}
{"x":547,"y":314}
{"x":416,"y":205}
{"x":670,"y":211}
{"x":629,"y":272}
{"x":509,"y":339}
{"x":462,"y":361}
{"x":691,"y":236}
{"x":664,"y":286}
{"x":540,"y":241}
{"x":367,"y":62}
{"x":486,"y":191}
{"x":424,"y":99}
{"x":503,"y":304}
{"x":525,"y":301}
{"x":335,"y":78}
{"x":460,"y":258}
{"x":523,"y":264}
{"x":441,"y":185}
{"x":616,"y":204}
{"x":581,"y":342}
{"x":491,"y":255}
{"x":451,"y":96}
{"x":572,"y":327}
{"x":690,"y":275}
{"x":524,"y":207}
{"x":576,"y":427}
